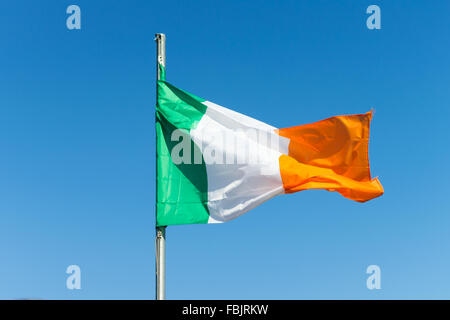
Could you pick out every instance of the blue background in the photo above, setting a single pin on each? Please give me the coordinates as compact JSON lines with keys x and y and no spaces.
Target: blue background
{"x":77,"y":164}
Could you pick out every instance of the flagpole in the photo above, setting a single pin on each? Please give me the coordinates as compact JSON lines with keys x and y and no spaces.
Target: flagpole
{"x":160,"y":39}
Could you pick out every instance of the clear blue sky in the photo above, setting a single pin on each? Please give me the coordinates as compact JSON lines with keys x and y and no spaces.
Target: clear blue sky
{"x":77,"y":165}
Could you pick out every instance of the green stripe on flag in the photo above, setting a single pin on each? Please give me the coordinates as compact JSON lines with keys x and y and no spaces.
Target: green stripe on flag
{"x":182,"y":189}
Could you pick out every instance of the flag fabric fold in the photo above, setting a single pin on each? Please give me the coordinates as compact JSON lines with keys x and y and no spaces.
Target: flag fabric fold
{"x":215,"y":164}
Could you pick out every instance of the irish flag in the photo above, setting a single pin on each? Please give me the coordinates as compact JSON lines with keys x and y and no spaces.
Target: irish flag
{"x":215,"y":164}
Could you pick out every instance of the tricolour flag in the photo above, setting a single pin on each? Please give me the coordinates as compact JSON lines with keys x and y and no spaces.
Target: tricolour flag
{"x":214,"y":164}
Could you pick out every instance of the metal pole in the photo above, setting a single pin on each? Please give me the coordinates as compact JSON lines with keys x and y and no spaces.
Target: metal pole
{"x":160,"y":263}
{"x":160,"y":39}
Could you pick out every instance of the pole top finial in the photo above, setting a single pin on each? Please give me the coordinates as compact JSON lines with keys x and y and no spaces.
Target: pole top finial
{"x":159,"y":36}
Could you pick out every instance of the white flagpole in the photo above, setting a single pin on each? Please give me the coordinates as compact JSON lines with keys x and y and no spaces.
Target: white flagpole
{"x":160,"y":39}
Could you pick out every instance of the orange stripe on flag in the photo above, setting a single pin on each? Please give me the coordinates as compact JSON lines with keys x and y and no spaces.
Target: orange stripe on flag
{"x":331,"y":154}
